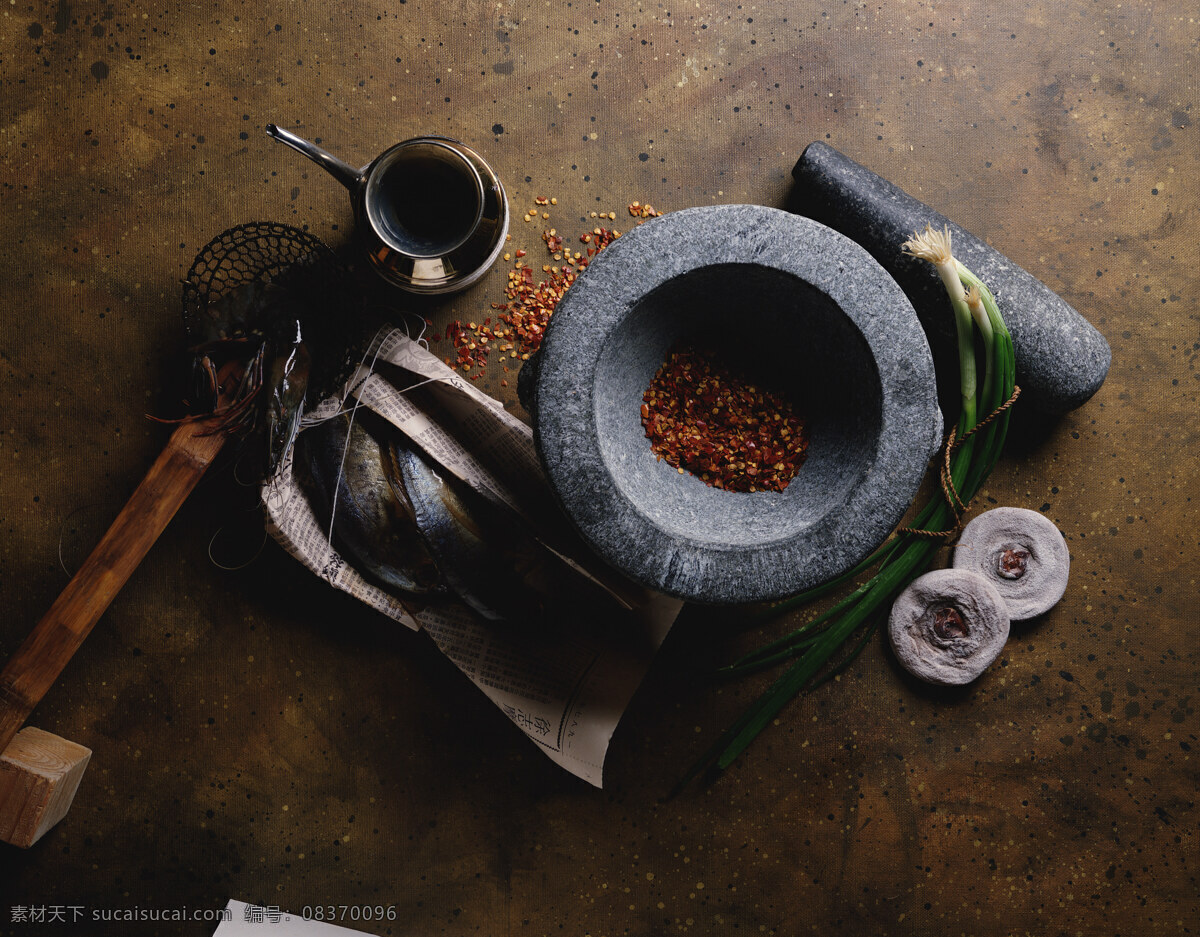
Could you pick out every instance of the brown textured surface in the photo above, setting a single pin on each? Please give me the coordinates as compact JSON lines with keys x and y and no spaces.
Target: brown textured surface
{"x":259,"y":737}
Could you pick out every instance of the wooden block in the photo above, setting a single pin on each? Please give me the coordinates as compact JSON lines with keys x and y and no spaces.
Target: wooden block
{"x":39,"y":774}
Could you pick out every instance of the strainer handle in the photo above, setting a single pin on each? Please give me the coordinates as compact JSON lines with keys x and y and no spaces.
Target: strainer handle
{"x":37,"y":663}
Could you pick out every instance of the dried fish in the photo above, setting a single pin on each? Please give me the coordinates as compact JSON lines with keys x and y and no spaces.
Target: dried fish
{"x":347,"y":474}
{"x":482,"y":558}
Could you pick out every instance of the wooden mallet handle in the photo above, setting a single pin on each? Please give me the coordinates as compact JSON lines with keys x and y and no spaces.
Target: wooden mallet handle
{"x":37,"y":663}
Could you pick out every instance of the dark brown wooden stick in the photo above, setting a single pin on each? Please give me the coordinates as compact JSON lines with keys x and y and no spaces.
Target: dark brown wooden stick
{"x":41,"y":658}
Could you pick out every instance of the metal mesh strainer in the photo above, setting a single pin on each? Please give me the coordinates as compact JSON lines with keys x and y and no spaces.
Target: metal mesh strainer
{"x":319,"y":289}
{"x":273,"y":316}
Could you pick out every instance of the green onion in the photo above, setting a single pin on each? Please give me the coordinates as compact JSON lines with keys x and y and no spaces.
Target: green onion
{"x":908,"y":554}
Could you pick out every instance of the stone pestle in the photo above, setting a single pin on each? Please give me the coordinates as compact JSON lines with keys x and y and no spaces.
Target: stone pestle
{"x":1061,"y":358}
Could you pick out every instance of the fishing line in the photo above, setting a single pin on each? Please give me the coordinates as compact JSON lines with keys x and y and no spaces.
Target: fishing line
{"x":337,"y":484}
{"x":394,"y":392}
{"x":62,"y":529}
{"x":212,"y":559}
{"x":420,"y":339}
{"x":237,"y":480}
{"x":346,"y":447}
{"x":352,"y":390}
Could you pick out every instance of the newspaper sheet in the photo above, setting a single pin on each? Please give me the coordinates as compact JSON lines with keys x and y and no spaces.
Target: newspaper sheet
{"x":564,"y":681}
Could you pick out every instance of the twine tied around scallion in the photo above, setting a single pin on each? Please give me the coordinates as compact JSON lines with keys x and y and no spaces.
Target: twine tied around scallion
{"x":987,"y":385}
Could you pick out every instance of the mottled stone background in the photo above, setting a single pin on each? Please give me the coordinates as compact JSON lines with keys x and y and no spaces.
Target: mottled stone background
{"x":260,"y":737}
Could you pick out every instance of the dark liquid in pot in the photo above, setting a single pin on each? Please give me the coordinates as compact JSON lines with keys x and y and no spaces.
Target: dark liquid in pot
{"x":427,"y":206}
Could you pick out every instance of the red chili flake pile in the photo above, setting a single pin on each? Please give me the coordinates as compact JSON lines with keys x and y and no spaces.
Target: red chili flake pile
{"x":472,"y":344}
{"x":532,"y":300}
{"x":704,"y":419}
{"x":522,"y":320}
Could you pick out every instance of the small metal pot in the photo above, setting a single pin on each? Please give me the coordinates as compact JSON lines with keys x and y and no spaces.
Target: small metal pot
{"x":431,"y":213}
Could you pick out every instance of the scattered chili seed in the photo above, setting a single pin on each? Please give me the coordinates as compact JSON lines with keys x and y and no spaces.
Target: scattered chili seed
{"x":524,"y":317}
{"x":701,"y":417}
{"x":638,"y":210}
{"x":531,"y":304}
{"x":472,"y":344}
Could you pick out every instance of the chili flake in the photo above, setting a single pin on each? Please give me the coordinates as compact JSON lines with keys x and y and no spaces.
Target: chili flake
{"x":524,"y":317}
{"x":732,"y":434}
{"x":472,"y":344}
{"x":530,"y":304}
{"x":639,"y":210}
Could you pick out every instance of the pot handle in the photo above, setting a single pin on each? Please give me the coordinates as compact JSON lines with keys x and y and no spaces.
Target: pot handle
{"x":343,"y":172}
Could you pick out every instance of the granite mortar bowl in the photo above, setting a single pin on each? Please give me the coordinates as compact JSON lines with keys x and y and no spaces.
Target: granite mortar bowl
{"x":803,"y":305}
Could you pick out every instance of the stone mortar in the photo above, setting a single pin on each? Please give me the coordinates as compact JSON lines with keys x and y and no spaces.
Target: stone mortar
{"x":810,"y":309}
